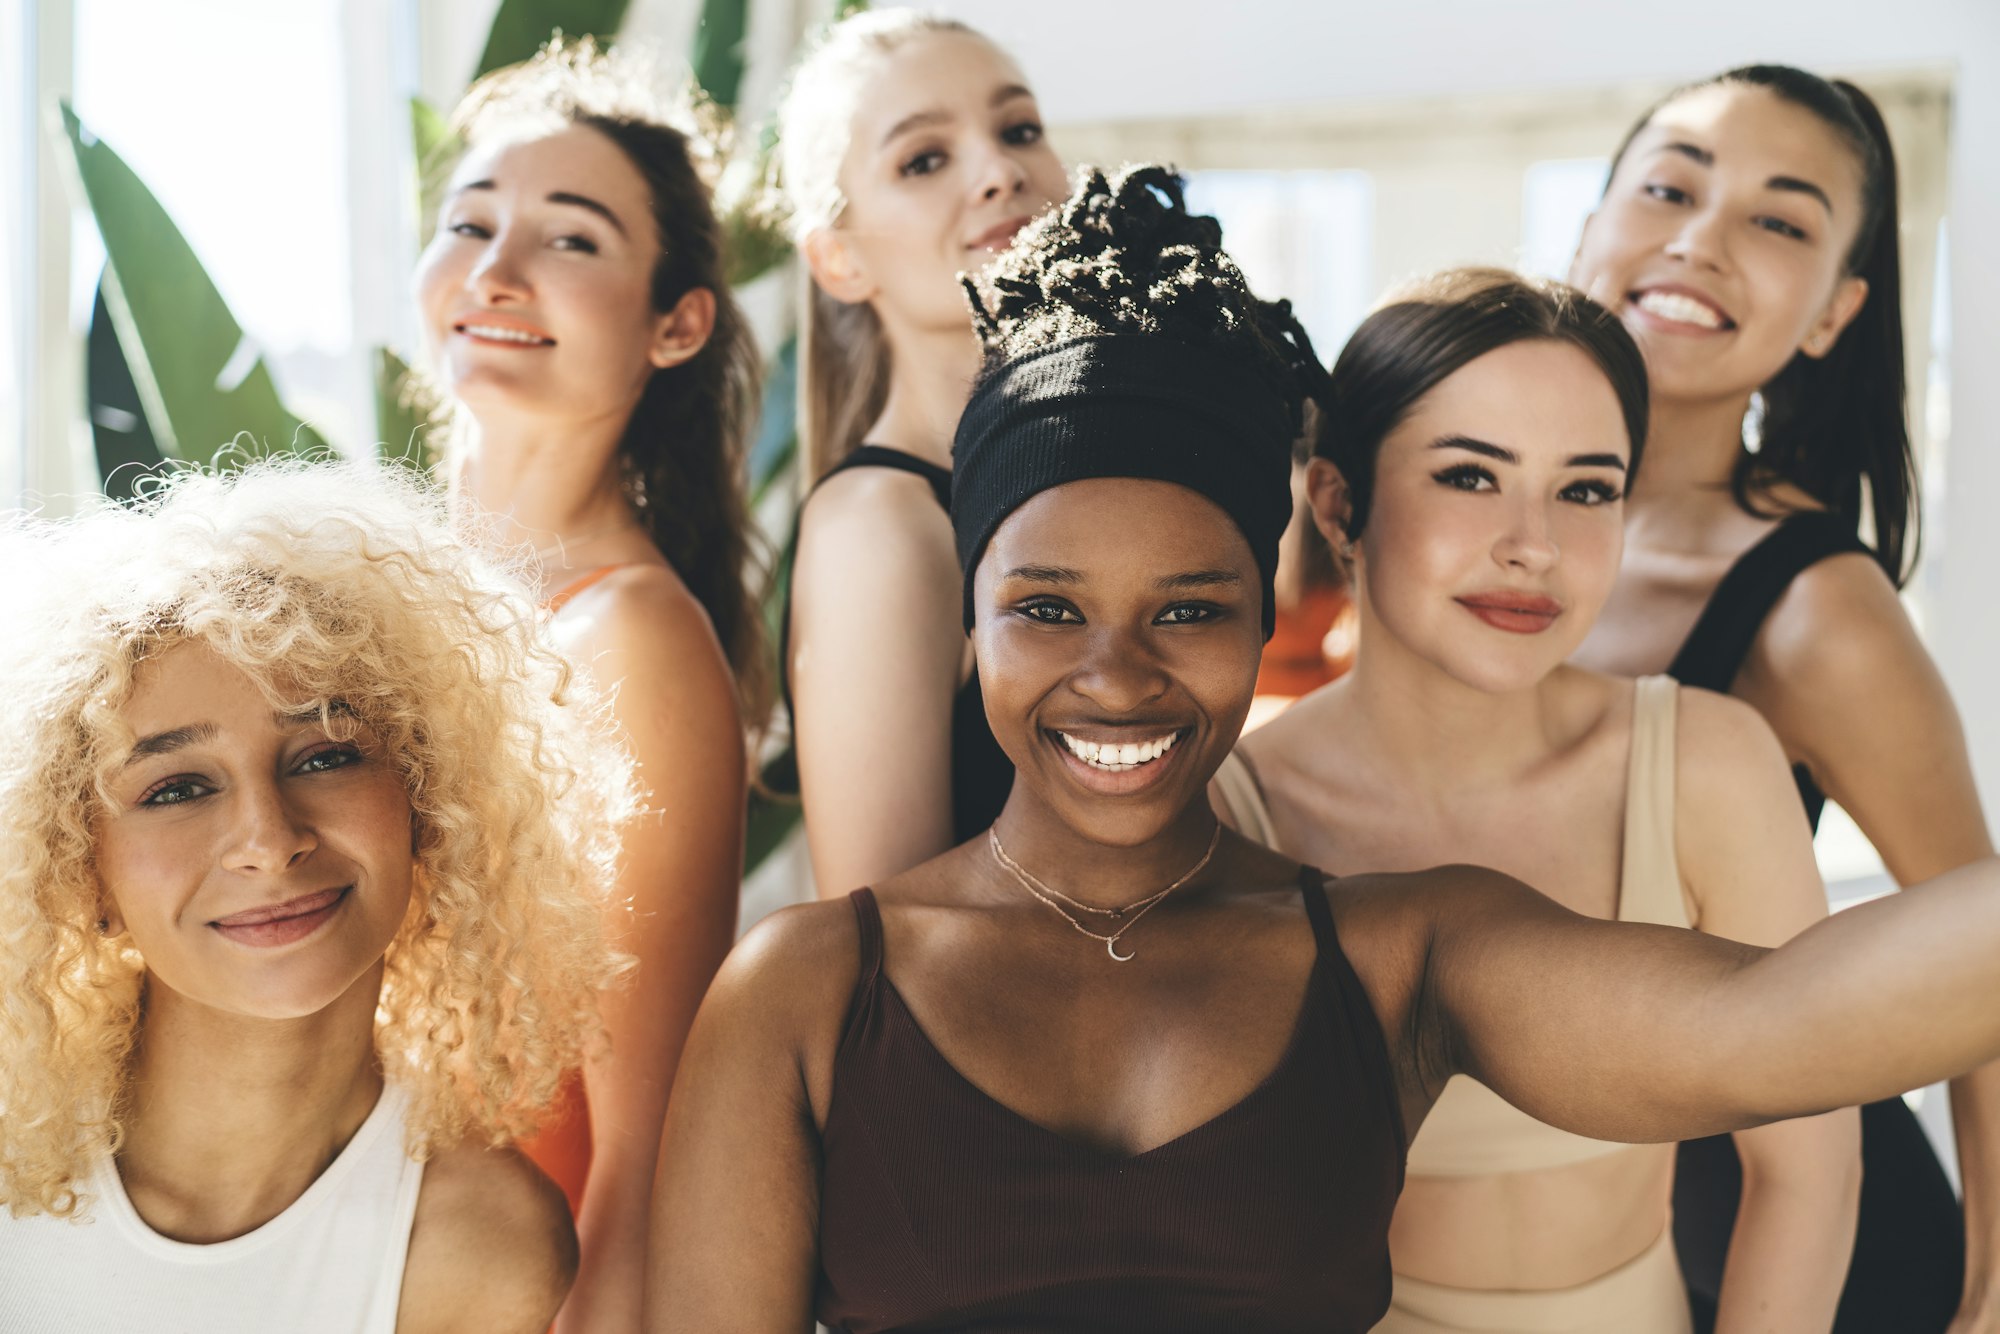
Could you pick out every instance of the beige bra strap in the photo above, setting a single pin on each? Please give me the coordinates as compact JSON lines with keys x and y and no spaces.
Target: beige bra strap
{"x":1243,"y":801}
{"x":1650,"y":890}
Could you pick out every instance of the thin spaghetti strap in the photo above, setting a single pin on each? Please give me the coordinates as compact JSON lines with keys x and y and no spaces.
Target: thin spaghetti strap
{"x":868,"y":917}
{"x":1312,"y":887}
{"x":562,"y":596}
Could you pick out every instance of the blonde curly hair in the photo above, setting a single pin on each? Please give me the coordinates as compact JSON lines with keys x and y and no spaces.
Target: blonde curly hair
{"x":339,"y":588}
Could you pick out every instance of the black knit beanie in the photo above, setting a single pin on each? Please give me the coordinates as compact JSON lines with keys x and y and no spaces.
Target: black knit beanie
{"x":1126,"y":405}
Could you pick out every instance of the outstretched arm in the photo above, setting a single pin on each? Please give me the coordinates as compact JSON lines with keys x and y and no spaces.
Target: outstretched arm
{"x":1648,"y":1033}
{"x":1878,"y":729}
{"x":876,"y":649}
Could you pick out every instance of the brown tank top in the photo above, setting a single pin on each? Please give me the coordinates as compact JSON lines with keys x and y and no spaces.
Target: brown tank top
{"x":940,"y":1208}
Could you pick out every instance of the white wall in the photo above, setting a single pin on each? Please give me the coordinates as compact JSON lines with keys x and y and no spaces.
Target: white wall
{"x":1134,"y":60}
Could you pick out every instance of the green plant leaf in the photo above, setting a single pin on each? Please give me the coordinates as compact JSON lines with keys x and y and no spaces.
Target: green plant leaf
{"x":201,"y":383}
{"x":717,"y":58}
{"x":434,"y":146}
{"x":522,"y":26}
{"x":402,"y":426}
{"x":123,"y":442}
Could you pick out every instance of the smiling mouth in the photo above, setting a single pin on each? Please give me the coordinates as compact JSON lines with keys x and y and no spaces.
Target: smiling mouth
{"x":1682,"y":308}
{"x":510,"y":334}
{"x":1520,"y":615}
{"x":1118,"y":757}
{"x":282,"y":923}
{"x":1001,"y":236}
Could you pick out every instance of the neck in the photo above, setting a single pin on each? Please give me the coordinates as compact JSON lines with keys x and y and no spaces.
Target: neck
{"x":233,"y":1117}
{"x":931,"y":379}
{"x":1418,"y":729}
{"x":1691,"y":452}
{"x":527,"y":483}
{"x":1102,"y":875}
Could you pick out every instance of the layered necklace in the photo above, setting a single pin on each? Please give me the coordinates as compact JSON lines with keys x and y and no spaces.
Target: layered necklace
{"x":1124,"y":918}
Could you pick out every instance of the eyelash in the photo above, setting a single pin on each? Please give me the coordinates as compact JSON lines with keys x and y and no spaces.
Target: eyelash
{"x":1598,"y":493}
{"x":156,"y":796}
{"x":581,"y":244}
{"x":1202,"y":612}
{"x":1673,"y":194}
{"x":1018,"y":135}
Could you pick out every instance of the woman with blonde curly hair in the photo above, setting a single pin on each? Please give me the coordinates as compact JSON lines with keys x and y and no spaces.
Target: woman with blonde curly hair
{"x":299,"y":818}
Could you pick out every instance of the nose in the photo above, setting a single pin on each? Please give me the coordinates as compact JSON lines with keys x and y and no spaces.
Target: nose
{"x":1120,"y":673}
{"x":1528,"y":544}
{"x":1000,"y":175}
{"x":497,"y":276}
{"x":1700,"y":240}
{"x":267,"y":834}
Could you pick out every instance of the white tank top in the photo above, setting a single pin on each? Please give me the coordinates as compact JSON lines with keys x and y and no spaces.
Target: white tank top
{"x":331,"y":1263}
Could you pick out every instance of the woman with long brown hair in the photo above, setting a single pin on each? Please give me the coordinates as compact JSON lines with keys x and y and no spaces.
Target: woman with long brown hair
{"x":575,"y":301}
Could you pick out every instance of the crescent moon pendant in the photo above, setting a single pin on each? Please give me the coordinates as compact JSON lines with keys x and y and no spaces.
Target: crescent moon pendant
{"x":1111,"y":948}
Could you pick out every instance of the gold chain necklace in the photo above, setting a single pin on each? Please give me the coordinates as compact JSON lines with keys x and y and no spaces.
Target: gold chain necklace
{"x":1127,"y":916}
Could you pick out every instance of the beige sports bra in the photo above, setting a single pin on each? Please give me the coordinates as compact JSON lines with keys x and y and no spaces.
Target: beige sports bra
{"x":1473,"y":1131}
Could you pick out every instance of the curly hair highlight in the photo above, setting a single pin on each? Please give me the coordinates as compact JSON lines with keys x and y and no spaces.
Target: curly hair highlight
{"x":328,"y":585}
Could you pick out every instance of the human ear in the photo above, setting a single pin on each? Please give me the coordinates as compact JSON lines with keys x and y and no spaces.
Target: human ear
{"x":835,"y":268}
{"x":1332,"y":506}
{"x":1849,"y":296}
{"x":684,"y":330}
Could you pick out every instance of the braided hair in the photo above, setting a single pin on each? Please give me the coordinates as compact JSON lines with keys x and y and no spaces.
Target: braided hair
{"x":1124,"y":255}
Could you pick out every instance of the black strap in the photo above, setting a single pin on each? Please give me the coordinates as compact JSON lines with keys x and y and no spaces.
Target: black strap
{"x":1312,"y":884}
{"x":868,"y":917}
{"x":1720,"y":642}
{"x":882,"y":456}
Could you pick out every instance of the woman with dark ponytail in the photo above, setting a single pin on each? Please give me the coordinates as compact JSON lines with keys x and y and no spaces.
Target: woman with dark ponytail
{"x":575,"y":301}
{"x":1109,"y":1067}
{"x":1748,"y":238}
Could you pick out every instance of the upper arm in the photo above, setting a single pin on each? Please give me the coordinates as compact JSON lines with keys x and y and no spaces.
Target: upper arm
{"x":1841,"y":675}
{"x":491,"y":1249}
{"x":876,"y":655}
{"x":680,"y":864}
{"x":1745,"y":848}
{"x":735,"y":1227}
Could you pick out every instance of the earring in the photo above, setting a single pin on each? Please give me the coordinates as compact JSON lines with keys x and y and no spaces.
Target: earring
{"x":1753,"y":424}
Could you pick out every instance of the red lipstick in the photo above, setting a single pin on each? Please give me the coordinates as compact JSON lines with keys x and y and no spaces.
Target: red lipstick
{"x":1516,"y":613}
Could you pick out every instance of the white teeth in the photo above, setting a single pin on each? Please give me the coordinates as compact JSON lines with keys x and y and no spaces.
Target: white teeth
{"x":1679,"y":308}
{"x":1116,"y":758}
{"x":499,"y":333}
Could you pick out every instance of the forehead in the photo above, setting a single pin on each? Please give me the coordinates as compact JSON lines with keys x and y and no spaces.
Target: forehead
{"x":574,"y":159}
{"x":189,"y":681}
{"x":957,"y":73}
{"x":1755,"y":129}
{"x":1120,"y":527}
{"x":1538,"y":398}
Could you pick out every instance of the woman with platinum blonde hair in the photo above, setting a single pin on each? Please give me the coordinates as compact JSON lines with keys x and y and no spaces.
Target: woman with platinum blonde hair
{"x":301,"y":822}
{"x":913,"y":152}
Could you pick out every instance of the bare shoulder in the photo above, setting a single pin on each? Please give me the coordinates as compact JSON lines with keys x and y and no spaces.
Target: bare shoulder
{"x":645,"y":610}
{"x":874,"y":517}
{"x":1840,"y":620}
{"x":798,"y":959}
{"x":492,"y":1247}
{"x":1716,"y":736}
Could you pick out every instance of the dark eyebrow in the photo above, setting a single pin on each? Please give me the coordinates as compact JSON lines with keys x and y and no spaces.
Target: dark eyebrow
{"x":1197,"y":579}
{"x":1694,"y":152}
{"x":1044,"y":574}
{"x":560,"y":197}
{"x":1801,"y":187}
{"x":1471,"y":446}
{"x":171,"y":740}
{"x":1596,"y":461}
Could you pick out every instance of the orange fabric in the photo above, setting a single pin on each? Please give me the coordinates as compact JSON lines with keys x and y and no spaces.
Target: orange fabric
{"x":1304,"y":653}
{"x":561,"y":1148}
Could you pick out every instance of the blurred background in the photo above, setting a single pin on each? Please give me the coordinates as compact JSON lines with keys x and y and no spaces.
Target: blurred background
{"x":1344,"y":146}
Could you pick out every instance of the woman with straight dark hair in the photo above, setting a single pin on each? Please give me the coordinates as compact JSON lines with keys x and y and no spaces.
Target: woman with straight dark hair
{"x":913,"y":151}
{"x":575,"y":301}
{"x":1112,"y":1068}
{"x":1748,"y":239}
{"x":1470,"y":464}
